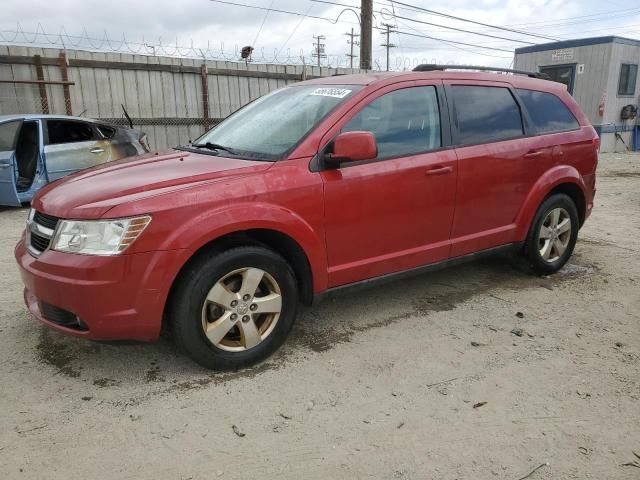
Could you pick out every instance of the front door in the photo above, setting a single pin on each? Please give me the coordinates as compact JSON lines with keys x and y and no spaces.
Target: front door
{"x":395,"y":212}
{"x":8,"y":136}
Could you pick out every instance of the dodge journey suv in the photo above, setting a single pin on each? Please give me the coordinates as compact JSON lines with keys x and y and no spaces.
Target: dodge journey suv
{"x":314,"y":187}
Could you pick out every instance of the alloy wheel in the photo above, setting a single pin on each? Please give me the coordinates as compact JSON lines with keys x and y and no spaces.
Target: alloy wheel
{"x":241,"y":309}
{"x":555,"y":235}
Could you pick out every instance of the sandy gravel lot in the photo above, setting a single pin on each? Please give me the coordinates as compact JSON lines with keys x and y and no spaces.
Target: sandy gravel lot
{"x":378,"y":384}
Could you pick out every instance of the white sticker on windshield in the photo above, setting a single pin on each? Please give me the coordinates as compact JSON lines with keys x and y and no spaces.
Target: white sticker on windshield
{"x":331,"y":92}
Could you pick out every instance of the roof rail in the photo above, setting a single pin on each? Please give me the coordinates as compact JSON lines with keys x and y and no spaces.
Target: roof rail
{"x":430,"y":67}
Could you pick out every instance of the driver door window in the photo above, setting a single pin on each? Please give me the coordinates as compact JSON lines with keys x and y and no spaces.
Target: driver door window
{"x":405,"y":122}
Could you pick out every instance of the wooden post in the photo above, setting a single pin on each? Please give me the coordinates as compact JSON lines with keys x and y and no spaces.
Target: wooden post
{"x":64,"y":73}
{"x":44,"y":101}
{"x":205,"y":96}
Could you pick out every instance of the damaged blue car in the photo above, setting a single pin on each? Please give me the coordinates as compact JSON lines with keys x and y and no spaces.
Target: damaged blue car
{"x":38,"y":149}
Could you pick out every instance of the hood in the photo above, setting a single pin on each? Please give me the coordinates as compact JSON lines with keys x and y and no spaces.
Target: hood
{"x":92,"y":192}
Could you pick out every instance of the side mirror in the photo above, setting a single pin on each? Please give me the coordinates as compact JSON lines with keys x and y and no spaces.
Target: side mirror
{"x":353,"y":147}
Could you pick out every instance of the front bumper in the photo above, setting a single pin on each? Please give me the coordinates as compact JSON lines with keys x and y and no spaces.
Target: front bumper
{"x":115,"y":298}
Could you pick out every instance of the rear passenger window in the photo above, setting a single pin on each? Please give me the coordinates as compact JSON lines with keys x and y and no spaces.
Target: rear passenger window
{"x":65,"y":131}
{"x":548,"y":112}
{"x":404,"y":122}
{"x":486,"y":114}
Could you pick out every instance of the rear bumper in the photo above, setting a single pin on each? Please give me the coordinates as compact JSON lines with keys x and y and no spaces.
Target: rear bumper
{"x":115,"y":298}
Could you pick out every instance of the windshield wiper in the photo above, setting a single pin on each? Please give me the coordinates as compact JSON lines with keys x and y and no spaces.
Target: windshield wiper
{"x":214,"y":146}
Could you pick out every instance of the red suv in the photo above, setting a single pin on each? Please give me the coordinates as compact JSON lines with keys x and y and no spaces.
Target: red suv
{"x":314,"y":187}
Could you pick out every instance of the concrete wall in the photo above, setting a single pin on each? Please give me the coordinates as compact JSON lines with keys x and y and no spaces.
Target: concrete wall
{"x":163,"y":95}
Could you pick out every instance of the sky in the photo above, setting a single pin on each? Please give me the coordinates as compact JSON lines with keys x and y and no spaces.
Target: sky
{"x":219,"y":30}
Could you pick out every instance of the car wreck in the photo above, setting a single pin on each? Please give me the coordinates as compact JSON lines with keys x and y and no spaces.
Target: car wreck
{"x":38,"y":149}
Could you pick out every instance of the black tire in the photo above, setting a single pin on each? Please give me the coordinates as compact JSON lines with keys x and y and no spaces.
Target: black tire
{"x":185,"y":311}
{"x":532,"y":246}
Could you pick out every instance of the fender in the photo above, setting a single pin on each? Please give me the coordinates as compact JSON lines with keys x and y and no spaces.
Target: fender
{"x":545,"y":184}
{"x":197,"y":231}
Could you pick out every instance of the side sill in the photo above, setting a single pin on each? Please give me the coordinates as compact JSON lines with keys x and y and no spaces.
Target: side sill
{"x":391,"y":277}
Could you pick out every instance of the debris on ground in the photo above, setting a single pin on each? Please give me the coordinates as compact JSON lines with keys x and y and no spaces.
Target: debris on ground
{"x":534,"y":470}
{"x":286,"y":417}
{"x":400,"y":425}
{"x":584,"y":450}
{"x":440,"y":383}
{"x":518,"y":332}
{"x":479,"y":404}
{"x":619,"y":344}
{"x":477,"y":344}
{"x":237,"y":431}
{"x":519,"y":314}
{"x":634,"y":463}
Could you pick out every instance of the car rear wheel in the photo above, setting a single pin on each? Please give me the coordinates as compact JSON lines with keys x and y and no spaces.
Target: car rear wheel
{"x":553,"y":234}
{"x":234,"y":309}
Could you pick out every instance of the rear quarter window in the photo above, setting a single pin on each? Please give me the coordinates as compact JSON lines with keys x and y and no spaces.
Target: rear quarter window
{"x":548,"y":113}
{"x":105,"y":131}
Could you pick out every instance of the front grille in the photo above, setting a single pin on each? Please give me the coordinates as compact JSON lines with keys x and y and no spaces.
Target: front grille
{"x":45,"y":220}
{"x":41,"y":228}
{"x":39,"y":243}
{"x":61,"y":317}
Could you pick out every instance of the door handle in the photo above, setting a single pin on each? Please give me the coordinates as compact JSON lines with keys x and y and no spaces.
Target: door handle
{"x":533,"y":154}
{"x":439,"y":171}
{"x":97,"y":150}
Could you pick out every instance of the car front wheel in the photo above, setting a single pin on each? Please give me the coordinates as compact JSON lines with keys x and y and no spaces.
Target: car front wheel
{"x":234,"y":309}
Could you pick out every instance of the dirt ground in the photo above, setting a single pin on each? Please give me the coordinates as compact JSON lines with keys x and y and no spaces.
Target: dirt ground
{"x":419,"y":379}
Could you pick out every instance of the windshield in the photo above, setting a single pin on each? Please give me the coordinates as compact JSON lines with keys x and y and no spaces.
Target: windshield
{"x":272,"y":125}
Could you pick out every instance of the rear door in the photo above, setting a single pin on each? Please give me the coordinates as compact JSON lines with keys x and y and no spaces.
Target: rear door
{"x":72,"y":145}
{"x":498,"y":163}
{"x":8,"y":135}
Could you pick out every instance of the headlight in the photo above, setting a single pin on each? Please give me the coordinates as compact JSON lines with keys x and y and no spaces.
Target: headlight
{"x":98,"y":237}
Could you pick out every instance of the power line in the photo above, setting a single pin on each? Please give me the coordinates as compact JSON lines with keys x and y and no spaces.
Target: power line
{"x":295,"y":29}
{"x":455,"y":42}
{"x":262,"y":24}
{"x":433,"y":12}
{"x":277,"y":10}
{"x":459,"y":29}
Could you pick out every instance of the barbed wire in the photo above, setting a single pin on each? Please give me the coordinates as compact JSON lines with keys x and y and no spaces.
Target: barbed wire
{"x":215,"y":52}
{"x":84,"y":41}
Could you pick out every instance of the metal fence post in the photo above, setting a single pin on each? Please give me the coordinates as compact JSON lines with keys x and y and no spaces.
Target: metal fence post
{"x":64,"y":73}
{"x":44,"y":101}
{"x":205,"y":96}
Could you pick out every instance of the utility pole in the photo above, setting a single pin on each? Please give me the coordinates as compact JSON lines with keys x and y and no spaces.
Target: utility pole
{"x":387,"y":44}
{"x":319,"y":48}
{"x":366,"y":28}
{"x":352,"y":42}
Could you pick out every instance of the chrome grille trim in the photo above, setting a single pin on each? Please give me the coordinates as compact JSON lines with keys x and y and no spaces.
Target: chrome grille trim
{"x":39,"y":236}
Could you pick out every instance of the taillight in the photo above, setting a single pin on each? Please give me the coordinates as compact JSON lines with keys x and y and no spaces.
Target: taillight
{"x":596,"y":142}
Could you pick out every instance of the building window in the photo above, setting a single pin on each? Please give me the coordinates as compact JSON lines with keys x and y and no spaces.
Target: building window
{"x":562,"y":74}
{"x":627,"y":82}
